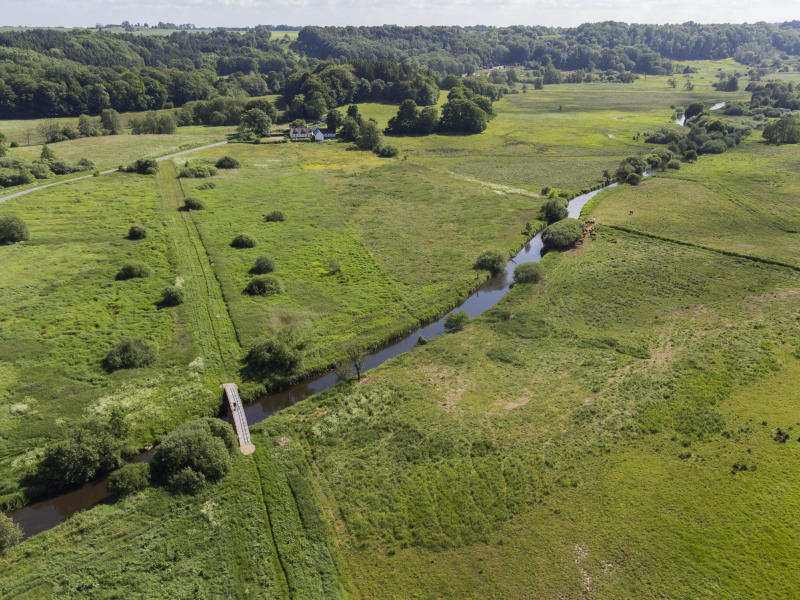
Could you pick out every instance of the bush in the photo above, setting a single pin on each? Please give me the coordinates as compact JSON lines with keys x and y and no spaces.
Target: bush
{"x":563,"y":234}
{"x":130,"y":353}
{"x":187,"y":481}
{"x":633,"y":179}
{"x":172,"y":296}
{"x":263,"y":285}
{"x":282,"y":355}
{"x":228,"y":162}
{"x":197,"y":170}
{"x":133,"y":270}
{"x":713,"y":147}
{"x":208,"y":185}
{"x":131,"y":478}
{"x":334,"y":266}
{"x":387,"y":151}
{"x":274,"y":217}
{"x":243,"y":241}
{"x":12,"y":230}
{"x":85,"y":164}
{"x":492,"y":260}
{"x":10,"y":533}
{"x":137,"y":232}
{"x":528,"y":273}
{"x":263,"y":265}
{"x":690,"y":156}
{"x":554,"y":210}
{"x":456,"y":321}
{"x":196,"y":452}
{"x":192,"y":203}
{"x":143,"y":166}
{"x":674,"y":164}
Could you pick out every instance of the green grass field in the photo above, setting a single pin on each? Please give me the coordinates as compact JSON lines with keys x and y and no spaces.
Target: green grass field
{"x":607,"y":433}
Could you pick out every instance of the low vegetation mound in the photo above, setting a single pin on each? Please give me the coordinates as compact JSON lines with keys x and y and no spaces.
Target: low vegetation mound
{"x":263,"y":285}
{"x":133,"y":270}
{"x":192,"y":203}
{"x":143,"y":166}
{"x":528,"y":273}
{"x":10,"y":533}
{"x":172,"y":296}
{"x":13,"y":230}
{"x":456,"y":321}
{"x":197,"y":169}
{"x":263,"y":265}
{"x":562,"y":235}
{"x":243,"y":241}
{"x":130,"y":353}
{"x":137,"y":232}
{"x":492,"y":260}
{"x":195,"y":453}
{"x":274,"y":217}
{"x":131,"y":478}
{"x":228,"y":162}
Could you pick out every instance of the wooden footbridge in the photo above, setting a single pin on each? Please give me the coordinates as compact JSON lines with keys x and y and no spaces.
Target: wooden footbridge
{"x":238,"y":418}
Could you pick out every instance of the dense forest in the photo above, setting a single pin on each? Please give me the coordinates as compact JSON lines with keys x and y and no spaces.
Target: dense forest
{"x":50,"y":73}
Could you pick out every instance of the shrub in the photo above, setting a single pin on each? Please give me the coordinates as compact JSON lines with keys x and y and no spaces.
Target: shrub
{"x":274,"y":216}
{"x":85,"y":164}
{"x":456,"y":321}
{"x":172,"y":296}
{"x":674,"y":164}
{"x":554,"y":210}
{"x":388,"y":151}
{"x":192,"y":203}
{"x":10,"y":533}
{"x":243,"y":241}
{"x":334,"y":266}
{"x":562,"y":234}
{"x":130,"y":353}
{"x":492,"y":261}
{"x":12,"y":230}
{"x":137,"y":232}
{"x":228,"y":162}
{"x":263,"y":285}
{"x":633,"y":179}
{"x":275,"y":356}
{"x":143,"y":166}
{"x":208,"y":185}
{"x":196,"y":452}
{"x":713,"y":147}
{"x":690,"y":156}
{"x":197,"y":170}
{"x":263,"y":265}
{"x":187,"y":481}
{"x":133,"y":270}
{"x":131,"y":478}
{"x":40,"y":170}
{"x":528,"y":273}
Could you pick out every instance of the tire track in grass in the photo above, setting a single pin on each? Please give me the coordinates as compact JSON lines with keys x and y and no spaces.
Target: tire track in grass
{"x":213,"y":329}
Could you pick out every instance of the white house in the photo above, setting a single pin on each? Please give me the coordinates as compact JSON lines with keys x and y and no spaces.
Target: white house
{"x":320,"y":135}
{"x":299,"y":133}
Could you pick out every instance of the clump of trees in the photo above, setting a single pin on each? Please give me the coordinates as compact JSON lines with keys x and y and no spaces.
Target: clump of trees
{"x":243,"y":241}
{"x":197,"y":169}
{"x":130,"y":353}
{"x":493,"y":261}
{"x":194,"y":454}
{"x":13,"y":230}
{"x":131,"y":478}
{"x":456,"y":321}
{"x":554,"y":209}
{"x":702,"y":134}
{"x":263,"y":265}
{"x":410,"y":119}
{"x":142,"y":166}
{"x":783,"y":131}
{"x":276,"y":359}
{"x":91,"y":448}
{"x":528,"y":273}
{"x":152,"y":122}
{"x":137,"y":232}
{"x":254,"y":123}
{"x":562,"y":235}
{"x":133,"y":270}
{"x":263,"y":285}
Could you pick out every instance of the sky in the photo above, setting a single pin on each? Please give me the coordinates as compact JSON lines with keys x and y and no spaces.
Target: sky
{"x":232,"y":13}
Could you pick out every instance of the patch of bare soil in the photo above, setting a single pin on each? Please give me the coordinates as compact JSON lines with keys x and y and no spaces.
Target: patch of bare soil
{"x":776,"y":295}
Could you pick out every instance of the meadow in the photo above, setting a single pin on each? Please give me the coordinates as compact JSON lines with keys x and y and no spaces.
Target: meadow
{"x":610,"y":432}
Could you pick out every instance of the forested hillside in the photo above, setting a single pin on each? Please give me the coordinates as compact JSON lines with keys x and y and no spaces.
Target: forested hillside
{"x":52,"y":73}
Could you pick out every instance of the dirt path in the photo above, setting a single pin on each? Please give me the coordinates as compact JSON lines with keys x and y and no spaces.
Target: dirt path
{"x":73,"y":179}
